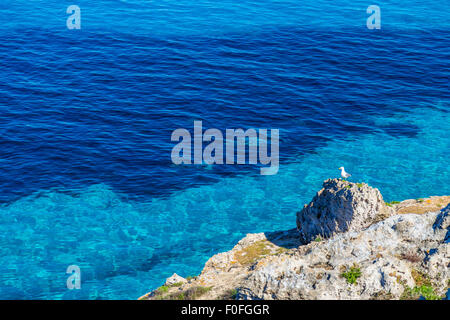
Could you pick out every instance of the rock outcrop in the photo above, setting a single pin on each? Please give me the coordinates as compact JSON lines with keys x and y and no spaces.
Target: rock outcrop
{"x":349,"y":245}
{"x":174,"y":279}
{"x":340,"y":207}
{"x":385,"y":260}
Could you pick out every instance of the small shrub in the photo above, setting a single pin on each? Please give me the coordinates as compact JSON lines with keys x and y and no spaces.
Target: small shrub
{"x":352,"y":275}
{"x":423,"y":288}
{"x":229,"y":295}
{"x":162,"y":289}
{"x":318,"y":239}
{"x":390,"y":204}
{"x":179,"y":296}
{"x":427,"y":292}
{"x":158,"y":293}
{"x":419,"y":291}
{"x":177,"y":284}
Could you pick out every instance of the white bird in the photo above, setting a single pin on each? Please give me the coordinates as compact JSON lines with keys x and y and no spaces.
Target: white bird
{"x":344,"y":174}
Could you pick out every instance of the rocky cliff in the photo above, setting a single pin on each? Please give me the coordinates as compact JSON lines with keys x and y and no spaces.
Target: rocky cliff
{"x":348,"y":244}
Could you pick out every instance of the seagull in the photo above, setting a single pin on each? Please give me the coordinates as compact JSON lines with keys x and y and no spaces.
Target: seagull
{"x":344,"y":174}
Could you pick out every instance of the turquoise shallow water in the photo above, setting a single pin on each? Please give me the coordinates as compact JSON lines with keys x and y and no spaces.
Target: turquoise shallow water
{"x":133,"y":246}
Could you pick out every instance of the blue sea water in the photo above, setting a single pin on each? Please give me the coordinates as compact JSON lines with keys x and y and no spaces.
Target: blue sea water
{"x":86,"y":116}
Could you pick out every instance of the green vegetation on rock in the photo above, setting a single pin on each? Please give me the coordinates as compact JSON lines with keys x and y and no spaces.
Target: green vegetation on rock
{"x":423,"y":288}
{"x":352,"y":274}
{"x":252,"y":253}
{"x":390,"y":204}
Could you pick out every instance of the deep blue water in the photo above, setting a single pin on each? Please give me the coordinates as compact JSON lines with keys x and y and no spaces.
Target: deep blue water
{"x":86,"y":117}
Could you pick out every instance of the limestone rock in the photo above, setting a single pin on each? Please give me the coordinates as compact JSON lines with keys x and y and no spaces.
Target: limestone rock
{"x":443,"y":221}
{"x":173,"y":279}
{"x":366,"y":250}
{"x":382,"y":254}
{"x":423,"y":205}
{"x":339,"y":207}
